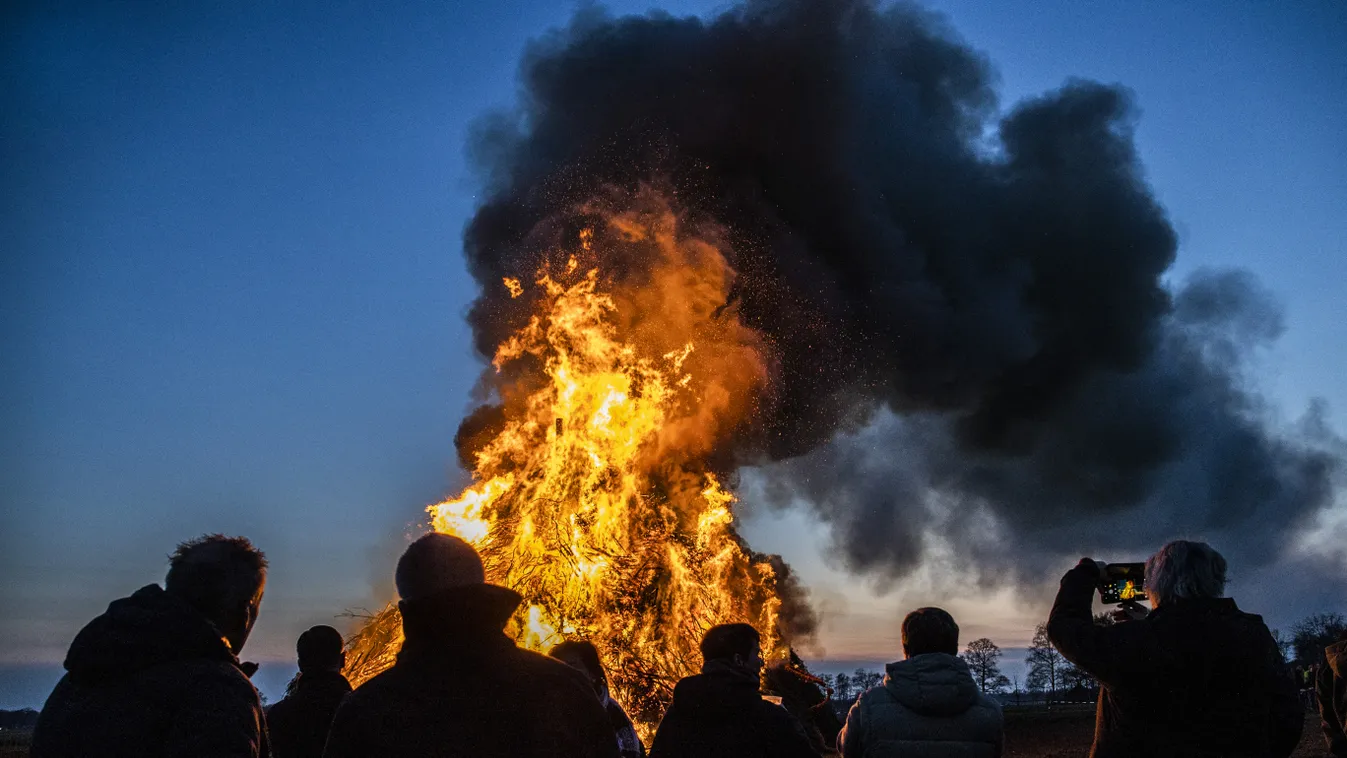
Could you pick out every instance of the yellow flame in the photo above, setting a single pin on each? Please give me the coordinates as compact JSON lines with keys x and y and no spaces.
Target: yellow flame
{"x":463,"y":517}
{"x":593,"y":502}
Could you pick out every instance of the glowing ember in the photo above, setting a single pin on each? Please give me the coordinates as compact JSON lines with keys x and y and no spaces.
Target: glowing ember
{"x":593,"y":500}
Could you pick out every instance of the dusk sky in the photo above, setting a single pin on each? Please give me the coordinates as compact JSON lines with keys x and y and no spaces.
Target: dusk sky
{"x":233,"y":290}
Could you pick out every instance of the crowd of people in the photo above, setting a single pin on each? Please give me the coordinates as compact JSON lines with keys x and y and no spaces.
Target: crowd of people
{"x":158,"y":674}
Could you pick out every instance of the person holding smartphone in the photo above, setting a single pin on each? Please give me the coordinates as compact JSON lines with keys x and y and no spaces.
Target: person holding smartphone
{"x":1195,"y":676}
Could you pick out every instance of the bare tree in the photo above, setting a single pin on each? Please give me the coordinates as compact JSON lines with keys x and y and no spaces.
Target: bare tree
{"x":983,"y":656}
{"x":1046,"y":665}
{"x":844,"y":688}
{"x":1284,"y":645}
{"x":863,"y":680}
{"x":1312,"y":634}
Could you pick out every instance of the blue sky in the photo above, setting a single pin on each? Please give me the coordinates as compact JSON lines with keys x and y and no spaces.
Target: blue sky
{"x":232,"y":289}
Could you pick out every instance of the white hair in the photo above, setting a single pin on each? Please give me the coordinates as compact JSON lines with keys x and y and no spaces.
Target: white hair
{"x":1182,"y":570}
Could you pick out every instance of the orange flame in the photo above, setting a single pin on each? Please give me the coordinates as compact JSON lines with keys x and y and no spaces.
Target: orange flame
{"x":593,"y":501}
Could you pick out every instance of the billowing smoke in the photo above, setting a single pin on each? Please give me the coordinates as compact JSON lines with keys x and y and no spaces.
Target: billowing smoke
{"x":968,"y":334}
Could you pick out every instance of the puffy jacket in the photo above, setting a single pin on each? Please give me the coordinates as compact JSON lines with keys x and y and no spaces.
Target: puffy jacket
{"x":1332,"y":690}
{"x":299,"y":722}
{"x":1194,"y":678}
{"x":927,"y":707}
{"x":460,"y":687}
{"x":151,"y":677}
{"x":720,"y":713}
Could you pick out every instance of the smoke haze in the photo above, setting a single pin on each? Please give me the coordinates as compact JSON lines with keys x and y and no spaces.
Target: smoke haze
{"x":965,"y":329}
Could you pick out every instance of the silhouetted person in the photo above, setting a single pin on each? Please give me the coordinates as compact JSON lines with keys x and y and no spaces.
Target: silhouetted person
{"x":1194,"y":677}
{"x":928,"y":705}
{"x":1331,"y":689}
{"x":460,"y":687}
{"x":300,"y":721}
{"x":583,"y":657}
{"x":805,"y":697}
{"x":720,"y":713}
{"x":158,"y":673}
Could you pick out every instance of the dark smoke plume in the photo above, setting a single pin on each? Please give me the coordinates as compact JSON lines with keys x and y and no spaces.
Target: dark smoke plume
{"x":965,"y":308}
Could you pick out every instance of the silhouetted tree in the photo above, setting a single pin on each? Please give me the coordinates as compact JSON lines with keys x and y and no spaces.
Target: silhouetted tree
{"x":863,"y":680}
{"x":1283,"y":644}
{"x":24,"y":718}
{"x":1075,"y":678}
{"x":844,"y":688}
{"x":983,"y":656}
{"x":1312,"y":634}
{"x":1046,"y":665}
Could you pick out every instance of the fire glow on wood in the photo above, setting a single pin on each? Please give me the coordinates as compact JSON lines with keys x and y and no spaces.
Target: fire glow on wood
{"x":594,"y":499}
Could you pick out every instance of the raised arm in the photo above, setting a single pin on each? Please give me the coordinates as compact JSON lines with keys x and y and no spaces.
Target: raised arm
{"x":1108,"y":653}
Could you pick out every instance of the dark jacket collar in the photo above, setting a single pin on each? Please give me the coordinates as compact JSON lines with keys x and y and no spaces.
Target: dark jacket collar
{"x":1198,"y":606}
{"x":149,"y":628}
{"x":322,"y":680}
{"x":461,"y":619}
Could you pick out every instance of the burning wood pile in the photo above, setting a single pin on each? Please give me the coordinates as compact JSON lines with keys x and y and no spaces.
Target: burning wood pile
{"x":592,"y":493}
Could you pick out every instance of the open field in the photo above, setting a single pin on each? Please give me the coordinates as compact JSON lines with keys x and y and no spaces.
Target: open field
{"x":1067,"y":734}
{"x":1033,"y":734}
{"x":14,"y":743}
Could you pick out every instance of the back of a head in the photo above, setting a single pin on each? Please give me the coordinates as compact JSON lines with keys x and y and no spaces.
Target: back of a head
{"x":930,"y":630}
{"x":435,"y":563}
{"x":320,"y":649}
{"x":215,"y":571}
{"x":1184,"y":570}
{"x":584,"y":653}
{"x":724,"y":641}
{"x":580,"y":651}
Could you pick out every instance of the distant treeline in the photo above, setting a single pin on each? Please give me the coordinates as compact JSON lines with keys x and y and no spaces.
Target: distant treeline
{"x":24,"y":718}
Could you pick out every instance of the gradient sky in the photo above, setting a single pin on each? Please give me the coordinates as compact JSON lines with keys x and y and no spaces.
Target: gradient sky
{"x":233,"y":292}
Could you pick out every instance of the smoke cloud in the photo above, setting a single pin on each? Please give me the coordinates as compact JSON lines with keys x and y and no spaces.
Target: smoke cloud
{"x":968,"y":336}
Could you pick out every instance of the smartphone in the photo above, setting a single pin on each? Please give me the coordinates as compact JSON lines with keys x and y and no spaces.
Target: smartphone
{"x":1123,"y":582}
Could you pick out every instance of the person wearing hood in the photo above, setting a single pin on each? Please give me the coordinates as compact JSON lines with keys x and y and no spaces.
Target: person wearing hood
{"x":582,"y":656}
{"x":1195,"y":676}
{"x":460,"y":686}
{"x":927,"y":705}
{"x":1331,"y":688}
{"x":158,"y":673}
{"x":299,"y":722}
{"x":720,"y":713}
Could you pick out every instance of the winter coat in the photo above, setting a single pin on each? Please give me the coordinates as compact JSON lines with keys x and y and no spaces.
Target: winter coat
{"x":927,"y":707}
{"x":721,"y":714}
{"x":460,"y":687}
{"x":151,"y":677}
{"x":1332,"y":691}
{"x":628,"y":741}
{"x":1194,"y":678}
{"x":298,"y":724}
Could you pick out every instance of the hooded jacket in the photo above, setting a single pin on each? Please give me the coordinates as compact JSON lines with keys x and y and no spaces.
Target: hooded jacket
{"x":151,"y":677}
{"x":460,"y":687}
{"x":298,"y":724}
{"x":927,"y":707}
{"x":1194,"y":678}
{"x":1332,"y":690}
{"x":720,"y":713}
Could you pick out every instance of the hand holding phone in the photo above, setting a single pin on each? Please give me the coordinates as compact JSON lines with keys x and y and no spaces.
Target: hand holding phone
{"x":1121,"y":583}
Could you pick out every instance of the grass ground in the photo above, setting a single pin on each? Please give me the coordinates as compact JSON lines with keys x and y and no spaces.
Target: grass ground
{"x":1068,"y":734}
{"x":14,"y":744}
{"x":1033,"y":734}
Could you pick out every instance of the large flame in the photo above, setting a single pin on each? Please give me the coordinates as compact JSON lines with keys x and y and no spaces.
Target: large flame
{"x":594,"y":501}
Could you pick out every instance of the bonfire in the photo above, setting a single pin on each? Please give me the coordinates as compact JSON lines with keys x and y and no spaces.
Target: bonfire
{"x":593,"y":497}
